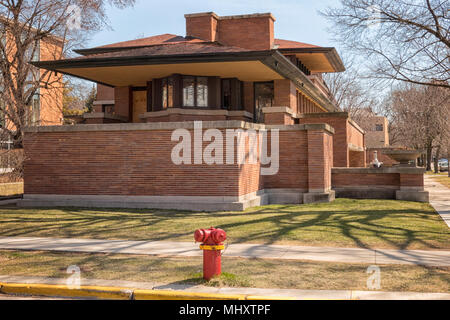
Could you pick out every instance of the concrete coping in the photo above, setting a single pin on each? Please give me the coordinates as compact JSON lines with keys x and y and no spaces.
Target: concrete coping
{"x":343,"y":115}
{"x":356,"y":126}
{"x":281,"y":109}
{"x":225,"y":124}
{"x":353,"y":147}
{"x":102,"y":102}
{"x":103,"y":115}
{"x":396,"y":169}
{"x":196,"y":112}
{"x":242,"y":16}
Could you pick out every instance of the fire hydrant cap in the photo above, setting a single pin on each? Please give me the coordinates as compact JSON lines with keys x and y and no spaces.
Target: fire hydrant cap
{"x":219,"y":236}
{"x":201,"y":235}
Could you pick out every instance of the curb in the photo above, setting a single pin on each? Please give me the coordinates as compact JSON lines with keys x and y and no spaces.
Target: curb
{"x":117,"y":293}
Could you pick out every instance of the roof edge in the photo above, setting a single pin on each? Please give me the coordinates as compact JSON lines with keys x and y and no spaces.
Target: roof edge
{"x":330,"y":52}
{"x":239,"y":16}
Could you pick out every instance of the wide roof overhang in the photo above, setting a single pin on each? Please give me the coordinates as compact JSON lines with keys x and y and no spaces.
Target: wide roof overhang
{"x":319,"y":59}
{"x":137,"y":70}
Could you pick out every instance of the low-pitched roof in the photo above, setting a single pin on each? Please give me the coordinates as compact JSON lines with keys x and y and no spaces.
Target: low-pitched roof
{"x":288,"y":44}
{"x":316,"y":58}
{"x":173,"y":48}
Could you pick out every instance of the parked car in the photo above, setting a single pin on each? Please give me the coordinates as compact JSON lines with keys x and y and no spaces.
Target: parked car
{"x":443,"y":165}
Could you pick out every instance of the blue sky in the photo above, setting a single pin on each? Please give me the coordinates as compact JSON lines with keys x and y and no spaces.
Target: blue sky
{"x":297,"y":20}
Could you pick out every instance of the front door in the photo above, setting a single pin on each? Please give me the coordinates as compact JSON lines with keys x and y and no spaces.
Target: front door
{"x":139,"y":104}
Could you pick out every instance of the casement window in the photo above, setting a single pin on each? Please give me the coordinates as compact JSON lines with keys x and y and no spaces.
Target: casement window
{"x":195,"y":91}
{"x":167,"y":92}
{"x":378,"y":127}
{"x":186,"y":91}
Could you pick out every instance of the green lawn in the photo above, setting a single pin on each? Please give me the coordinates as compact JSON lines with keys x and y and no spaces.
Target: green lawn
{"x":342,"y":223}
{"x":237,"y":272}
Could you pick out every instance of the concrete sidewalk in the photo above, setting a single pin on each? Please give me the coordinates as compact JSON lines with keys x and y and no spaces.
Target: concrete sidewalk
{"x":439,"y":198}
{"x":190,"y":249}
{"x":299,"y":294}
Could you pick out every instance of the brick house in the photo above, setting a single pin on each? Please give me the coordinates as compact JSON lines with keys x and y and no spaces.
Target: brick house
{"x":227,"y":74}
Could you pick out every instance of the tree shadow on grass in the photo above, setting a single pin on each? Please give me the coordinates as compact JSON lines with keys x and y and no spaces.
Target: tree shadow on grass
{"x":345,"y":222}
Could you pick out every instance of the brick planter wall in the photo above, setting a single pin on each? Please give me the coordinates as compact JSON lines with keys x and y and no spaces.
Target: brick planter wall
{"x":402,"y":183}
{"x":130,"y":165}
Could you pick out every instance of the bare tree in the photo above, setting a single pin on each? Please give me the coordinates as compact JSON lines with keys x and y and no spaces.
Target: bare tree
{"x":350,"y":92}
{"x":24,"y":26}
{"x":420,"y":117}
{"x":406,"y":40}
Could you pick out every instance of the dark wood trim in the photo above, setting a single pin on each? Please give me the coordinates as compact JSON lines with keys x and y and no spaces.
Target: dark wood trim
{"x":177,"y":90}
{"x":149,"y":96}
{"x":139,"y":88}
{"x":214,"y":92}
{"x":156,"y":95}
{"x":130,"y":104}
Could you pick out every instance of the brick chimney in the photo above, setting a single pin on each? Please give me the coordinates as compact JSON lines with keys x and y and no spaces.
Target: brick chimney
{"x":202,"y":25}
{"x":252,"y":31}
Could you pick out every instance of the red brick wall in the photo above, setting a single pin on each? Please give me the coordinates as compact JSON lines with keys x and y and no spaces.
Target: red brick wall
{"x":278,"y":118}
{"x":203,"y":27}
{"x":320,"y":160}
{"x":105,"y":92}
{"x":355,"y":136}
{"x":411,"y":180}
{"x":139,"y":163}
{"x":340,"y":139}
{"x":340,"y":180}
{"x":357,"y":159}
{"x":285,"y":94}
{"x":255,"y":32}
{"x":293,"y":171}
{"x":251,"y":33}
{"x":123,"y":100}
{"x":125,"y":163}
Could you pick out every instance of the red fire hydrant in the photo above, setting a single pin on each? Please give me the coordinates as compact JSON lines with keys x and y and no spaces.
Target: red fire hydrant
{"x":212,"y":243}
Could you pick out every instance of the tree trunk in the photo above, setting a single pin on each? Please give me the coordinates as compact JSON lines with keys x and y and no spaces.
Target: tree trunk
{"x":436,"y":160}
{"x":429,"y":151}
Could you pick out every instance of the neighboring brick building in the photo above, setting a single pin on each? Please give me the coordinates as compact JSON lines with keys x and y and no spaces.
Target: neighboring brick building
{"x":228,"y":74}
{"x":377,"y":139}
{"x":46,"y":106}
{"x":378,"y":134}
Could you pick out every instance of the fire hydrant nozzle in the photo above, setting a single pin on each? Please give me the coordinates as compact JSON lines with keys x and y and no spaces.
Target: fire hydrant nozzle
{"x":212,"y":243}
